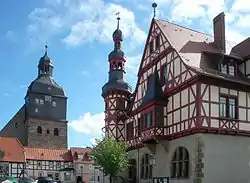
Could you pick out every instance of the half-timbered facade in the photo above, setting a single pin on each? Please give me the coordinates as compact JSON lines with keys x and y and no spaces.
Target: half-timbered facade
{"x":190,"y":110}
{"x":12,"y":159}
{"x":54,"y":163}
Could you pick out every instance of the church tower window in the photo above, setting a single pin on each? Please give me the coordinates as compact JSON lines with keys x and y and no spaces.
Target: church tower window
{"x":39,"y":130}
{"x":56,"y":132}
{"x":41,"y":101}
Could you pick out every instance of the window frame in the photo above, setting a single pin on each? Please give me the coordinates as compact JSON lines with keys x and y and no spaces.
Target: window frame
{"x":157,"y":41}
{"x":225,"y":69}
{"x":146,"y":170}
{"x":151,"y":47}
{"x":227,"y":113}
{"x":180,"y":164}
{"x":39,"y":130}
{"x":130,"y":130}
{"x":56,"y":132}
{"x":163,"y":73}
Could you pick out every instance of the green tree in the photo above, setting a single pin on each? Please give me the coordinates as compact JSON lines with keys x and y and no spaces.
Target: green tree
{"x":111,"y":156}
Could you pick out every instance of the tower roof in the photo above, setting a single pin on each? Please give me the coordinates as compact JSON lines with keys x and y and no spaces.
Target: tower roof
{"x":154,"y":90}
{"x":45,"y":59}
{"x":45,"y":83}
{"x":117,"y":35}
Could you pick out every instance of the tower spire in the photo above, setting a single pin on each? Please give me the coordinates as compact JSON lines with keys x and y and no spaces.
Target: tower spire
{"x":118,"y":19}
{"x":46,"y":48}
{"x":154,"y":5}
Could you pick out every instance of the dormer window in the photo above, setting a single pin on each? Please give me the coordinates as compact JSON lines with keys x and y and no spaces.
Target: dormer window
{"x":228,"y":69}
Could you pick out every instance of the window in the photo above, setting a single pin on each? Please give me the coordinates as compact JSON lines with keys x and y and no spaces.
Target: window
{"x":228,"y":107}
{"x":39,"y":130}
{"x":47,"y":98}
{"x":36,"y":109}
{"x":56,"y":132}
{"x":37,"y":101}
{"x":157,"y":41}
{"x":180,"y":163}
{"x":228,"y":69}
{"x":67,"y":176}
{"x":163,"y":74}
{"x":15,"y":124}
{"x":130,"y":130}
{"x":41,"y":101}
{"x":148,"y":120}
{"x":120,"y":104}
{"x":151,"y":47}
{"x":47,"y":131}
{"x":146,"y":168}
{"x":90,"y":167}
{"x":54,"y":104}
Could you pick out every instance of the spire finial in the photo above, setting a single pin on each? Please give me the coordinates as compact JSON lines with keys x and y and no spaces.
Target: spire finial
{"x":46,"y":48}
{"x":154,"y":5}
{"x":118,"y":19}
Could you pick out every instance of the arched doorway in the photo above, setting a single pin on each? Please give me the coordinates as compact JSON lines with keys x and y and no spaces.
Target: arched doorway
{"x":132,"y":171}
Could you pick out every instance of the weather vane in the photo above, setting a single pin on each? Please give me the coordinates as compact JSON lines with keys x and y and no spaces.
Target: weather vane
{"x":118,"y":19}
{"x":154,"y":5}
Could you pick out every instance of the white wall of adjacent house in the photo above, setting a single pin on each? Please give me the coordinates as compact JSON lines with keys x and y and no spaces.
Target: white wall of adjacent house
{"x":245,"y":68}
{"x":225,"y":159}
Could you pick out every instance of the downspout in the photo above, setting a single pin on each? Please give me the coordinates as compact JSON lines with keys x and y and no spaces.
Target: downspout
{"x":138,"y":164}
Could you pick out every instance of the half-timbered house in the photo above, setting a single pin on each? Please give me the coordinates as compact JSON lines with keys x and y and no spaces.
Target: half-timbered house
{"x":46,"y":162}
{"x":12,"y":157}
{"x":188,"y":117}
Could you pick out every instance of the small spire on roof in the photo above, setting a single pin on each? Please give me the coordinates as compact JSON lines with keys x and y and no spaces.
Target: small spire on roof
{"x":46,"y":48}
{"x":118,"y":19}
{"x":154,"y":5}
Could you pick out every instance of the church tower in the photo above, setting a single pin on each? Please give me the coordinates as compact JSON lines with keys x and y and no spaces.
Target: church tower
{"x":116,"y":92}
{"x":46,"y":108}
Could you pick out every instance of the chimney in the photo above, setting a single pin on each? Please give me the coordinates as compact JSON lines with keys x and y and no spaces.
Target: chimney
{"x":219,"y":31}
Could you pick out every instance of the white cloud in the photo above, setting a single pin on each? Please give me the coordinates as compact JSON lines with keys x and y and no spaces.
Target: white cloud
{"x":133,"y":63}
{"x":92,"y":141}
{"x":11,"y":36}
{"x":85,"y":20}
{"x":89,"y":124}
{"x":241,"y":6}
{"x":184,"y":10}
{"x":234,"y":36}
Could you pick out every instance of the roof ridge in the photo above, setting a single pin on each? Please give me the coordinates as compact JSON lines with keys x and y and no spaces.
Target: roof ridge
{"x":45,"y":148}
{"x":206,"y":34}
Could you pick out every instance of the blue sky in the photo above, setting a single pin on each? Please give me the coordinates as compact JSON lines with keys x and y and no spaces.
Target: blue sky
{"x":79,"y":36}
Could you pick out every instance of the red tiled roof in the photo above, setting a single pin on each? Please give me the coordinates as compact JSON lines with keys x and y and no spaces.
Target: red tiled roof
{"x":190,"y":43}
{"x":81,"y":154}
{"x":47,"y":154}
{"x":13,"y":150}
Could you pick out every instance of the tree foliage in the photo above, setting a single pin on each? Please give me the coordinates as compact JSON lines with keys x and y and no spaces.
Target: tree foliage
{"x":110,"y":155}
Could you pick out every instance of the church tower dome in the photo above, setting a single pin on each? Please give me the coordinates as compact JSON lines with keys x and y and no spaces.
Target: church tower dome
{"x":116,"y":92}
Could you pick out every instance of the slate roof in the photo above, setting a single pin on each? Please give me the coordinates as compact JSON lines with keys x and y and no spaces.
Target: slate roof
{"x":154,"y":91}
{"x":48,"y":154}
{"x":13,"y":150}
{"x":193,"y":48}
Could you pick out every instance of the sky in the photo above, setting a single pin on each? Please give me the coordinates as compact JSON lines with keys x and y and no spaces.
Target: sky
{"x":79,"y":37}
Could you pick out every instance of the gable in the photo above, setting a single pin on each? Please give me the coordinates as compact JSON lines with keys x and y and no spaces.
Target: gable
{"x":162,"y":55}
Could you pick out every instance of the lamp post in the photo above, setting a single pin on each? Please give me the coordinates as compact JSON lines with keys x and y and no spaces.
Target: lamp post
{"x":152,"y":163}
{"x":152,"y":160}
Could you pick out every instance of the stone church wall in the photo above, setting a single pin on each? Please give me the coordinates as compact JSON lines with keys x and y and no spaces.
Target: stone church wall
{"x":16,"y":127}
{"x":47,"y":139}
